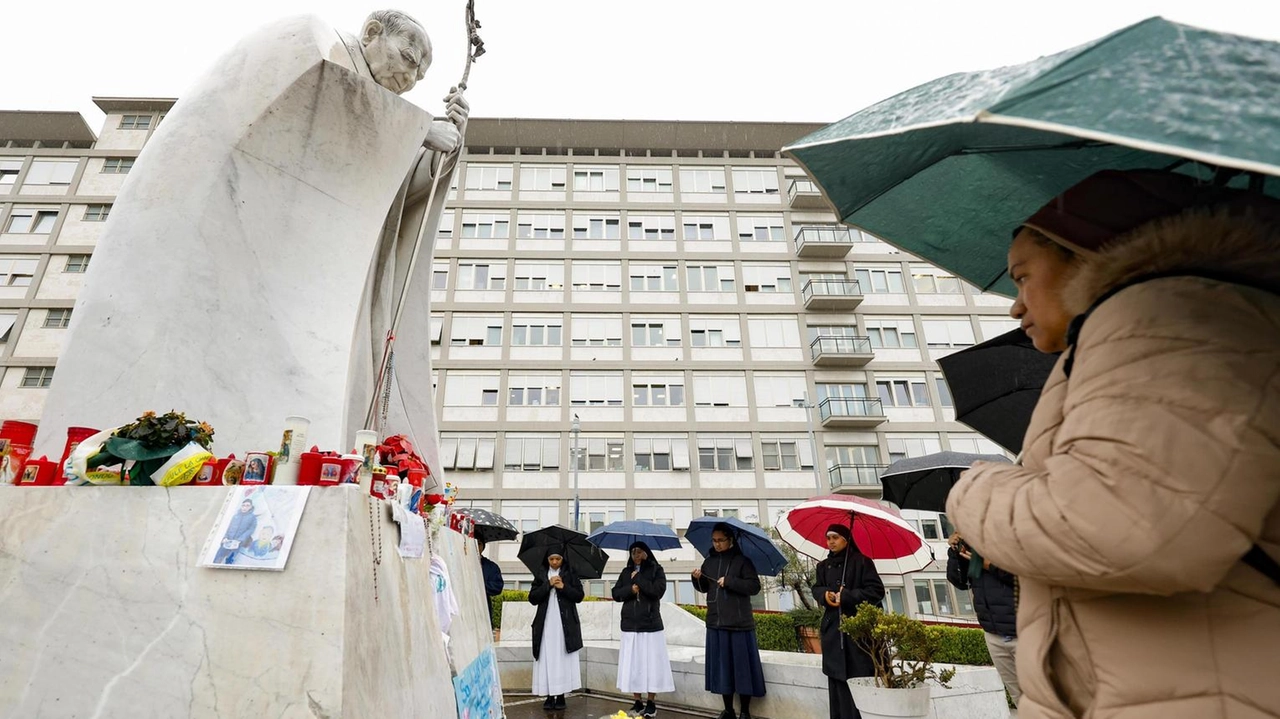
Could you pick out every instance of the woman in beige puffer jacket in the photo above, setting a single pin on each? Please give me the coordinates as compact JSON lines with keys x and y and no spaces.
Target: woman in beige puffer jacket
{"x":1151,"y":470}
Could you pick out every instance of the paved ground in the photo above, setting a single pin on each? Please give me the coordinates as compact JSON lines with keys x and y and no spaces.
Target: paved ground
{"x":582,"y":706}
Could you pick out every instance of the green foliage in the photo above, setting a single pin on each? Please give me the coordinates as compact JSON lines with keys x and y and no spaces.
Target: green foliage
{"x":902,"y":649}
{"x":695,"y":610}
{"x":776,"y":632}
{"x":805,"y":617}
{"x":166,"y":430}
{"x":960,"y":645}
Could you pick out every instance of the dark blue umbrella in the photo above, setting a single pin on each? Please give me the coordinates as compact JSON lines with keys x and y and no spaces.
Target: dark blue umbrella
{"x":621,"y":535}
{"x":752,"y":540}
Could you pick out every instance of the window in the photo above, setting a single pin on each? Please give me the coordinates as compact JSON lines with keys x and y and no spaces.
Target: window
{"x":17,"y":271}
{"x":135,"y":122}
{"x":595,"y":179}
{"x":992,"y":328}
{"x":598,"y":389}
{"x":31,"y":222}
{"x":932,"y":281}
{"x":653,"y":278}
{"x":488,"y":177}
{"x":597,"y":331}
{"x":542,"y":178}
{"x":96,"y":213}
{"x":117,"y":165}
{"x":436,"y":325}
{"x":892,"y":333}
{"x":597,"y":276}
{"x":657,"y":395}
{"x":655,"y":332}
{"x":470,"y":330}
{"x":973,"y":444}
{"x":710,"y":278}
{"x":725,"y":454}
{"x":762,"y":228}
{"x":481,"y":276}
{"x":530,"y":453}
{"x":467,"y":453}
{"x":651,"y":227}
{"x":940,"y":333}
{"x":440,"y":276}
{"x":537,"y":226}
{"x":533,"y":277}
{"x":853,"y":465}
{"x":719,"y":390}
{"x":528,"y":516}
{"x":787,"y":455}
{"x":655,"y":454}
{"x":51,"y":172}
{"x":702,"y":181}
{"x":766,"y":278}
{"x":536,"y":332}
{"x":445,"y":230}
{"x":897,"y":603}
{"x":485,"y":226}
{"x":924,"y":597}
{"x":36,"y":377}
{"x":879,"y":281}
{"x":944,"y":392}
{"x":902,"y":392}
{"x":781,"y":331}
{"x":465,"y":389}
{"x":755,"y":182}
{"x":907,"y":445}
{"x":705,"y":227}
{"x":780,"y":390}
{"x":597,"y":514}
{"x":816,"y":331}
{"x":668,"y":513}
{"x":715,"y":332}
{"x":648,"y":179}
{"x":57,"y":319}
{"x":7,"y":320}
{"x":9,"y":170}
{"x":533,"y":390}
{"x":600,"y":454}
{"x":595,"y":227}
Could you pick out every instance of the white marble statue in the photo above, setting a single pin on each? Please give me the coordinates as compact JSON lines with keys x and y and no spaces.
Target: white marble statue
{"x":256,"y":252}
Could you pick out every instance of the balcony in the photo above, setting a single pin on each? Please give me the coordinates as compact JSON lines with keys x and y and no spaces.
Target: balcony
{"x":824,"y":242}
{"x":803,"y":194}
{"x":856,"y":478}
{"x":841,"y":295}
{"x":833,"y":351}
{"x":850,"y":413}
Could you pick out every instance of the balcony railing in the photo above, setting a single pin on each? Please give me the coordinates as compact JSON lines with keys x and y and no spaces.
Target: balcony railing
{"x":855,"y":475}
{"x":831,"y":294}
{"x":803,"y":193}
{"x":824,"y":241}
{"x":840,"y":345}
{"x":854,"y":408}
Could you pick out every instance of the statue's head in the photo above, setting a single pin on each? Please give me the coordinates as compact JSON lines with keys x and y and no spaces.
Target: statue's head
{"x":397,"y":49}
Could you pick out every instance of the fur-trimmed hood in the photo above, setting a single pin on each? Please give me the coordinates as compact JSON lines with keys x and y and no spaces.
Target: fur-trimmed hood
{"x":1219,"y":242}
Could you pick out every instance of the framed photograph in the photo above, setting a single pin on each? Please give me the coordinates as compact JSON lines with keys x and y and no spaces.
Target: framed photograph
{"x":257,"y":468}
{"x":205,"y":475}
{"x":330,"y":472}
{"x":256,"y":528}
{"x":31,"y":474}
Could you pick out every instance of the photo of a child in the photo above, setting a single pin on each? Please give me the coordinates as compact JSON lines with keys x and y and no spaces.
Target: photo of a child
{"x":256,"y":528}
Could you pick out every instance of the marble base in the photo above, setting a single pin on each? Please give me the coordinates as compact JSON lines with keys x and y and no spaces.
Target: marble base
{"x":107,"y":612}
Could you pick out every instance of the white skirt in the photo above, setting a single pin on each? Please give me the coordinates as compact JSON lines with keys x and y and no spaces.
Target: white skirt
{"x":555,"y":671}
{"x":643,"y":664}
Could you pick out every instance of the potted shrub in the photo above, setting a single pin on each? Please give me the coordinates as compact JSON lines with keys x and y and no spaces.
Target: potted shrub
{"x":903,"y":652}
{"x":807,"y":621}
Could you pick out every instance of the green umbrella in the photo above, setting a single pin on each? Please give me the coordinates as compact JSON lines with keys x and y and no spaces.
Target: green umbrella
{"x":948,"y":169}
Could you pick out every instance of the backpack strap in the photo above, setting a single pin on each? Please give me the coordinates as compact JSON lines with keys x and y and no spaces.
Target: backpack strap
{"x":1255,"y":557}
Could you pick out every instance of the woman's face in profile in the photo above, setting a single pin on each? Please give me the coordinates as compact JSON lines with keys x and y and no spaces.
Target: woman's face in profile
{"x":1040,"y":270}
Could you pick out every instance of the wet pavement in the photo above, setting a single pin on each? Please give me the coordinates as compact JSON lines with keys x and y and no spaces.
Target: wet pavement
{"x":584,"y":706}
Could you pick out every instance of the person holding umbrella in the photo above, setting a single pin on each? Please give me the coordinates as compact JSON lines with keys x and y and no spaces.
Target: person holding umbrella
{"x":729,"y":579}
{"x":643,"y":663}
{"x":493,"y":581}
{"x":844,"y":580}
{"x":1143,"y":522}
{"x":995,"y":601}
{"x":557,"y":632}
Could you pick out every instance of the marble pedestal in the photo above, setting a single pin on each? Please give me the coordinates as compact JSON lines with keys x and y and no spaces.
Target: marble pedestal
{"x":106,"y":612}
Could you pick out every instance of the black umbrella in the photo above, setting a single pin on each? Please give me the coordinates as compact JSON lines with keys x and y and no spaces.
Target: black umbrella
{"x":586,"y":559}
{"x":995,"y":385}
{"x":923,"y":482}
{"x":485,"y":525}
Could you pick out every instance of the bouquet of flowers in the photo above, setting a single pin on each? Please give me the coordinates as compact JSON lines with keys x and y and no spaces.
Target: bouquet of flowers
{"x":168,"y":442}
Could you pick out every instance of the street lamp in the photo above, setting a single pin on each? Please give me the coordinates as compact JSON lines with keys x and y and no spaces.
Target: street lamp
{"x":577,"y":458}
{"x":813,"y":442}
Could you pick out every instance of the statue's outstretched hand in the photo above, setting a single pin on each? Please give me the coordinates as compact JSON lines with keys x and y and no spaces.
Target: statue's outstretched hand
{"x":446,"y":136}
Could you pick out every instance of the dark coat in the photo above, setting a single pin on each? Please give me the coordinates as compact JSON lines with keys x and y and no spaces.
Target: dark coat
{"x":994,"y":599}
{"x":493,"y":582}
{"x":540,"y":596}
{"x":641,"y":612}
{"x":729,"y":607}
{"x":854,"y":575}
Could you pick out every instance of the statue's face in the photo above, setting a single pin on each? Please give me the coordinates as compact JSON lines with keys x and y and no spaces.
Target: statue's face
{"x":397,"y":60}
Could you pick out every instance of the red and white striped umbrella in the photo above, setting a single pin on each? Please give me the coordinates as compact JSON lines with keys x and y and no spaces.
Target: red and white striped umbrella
{"x":879,"y":531}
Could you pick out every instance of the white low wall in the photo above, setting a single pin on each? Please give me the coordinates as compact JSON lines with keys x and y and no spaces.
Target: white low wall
{"x":794,"y":683}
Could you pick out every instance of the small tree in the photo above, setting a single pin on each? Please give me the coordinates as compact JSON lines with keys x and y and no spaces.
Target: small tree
{"x":799,"y":575}
{"x":901,"y":649}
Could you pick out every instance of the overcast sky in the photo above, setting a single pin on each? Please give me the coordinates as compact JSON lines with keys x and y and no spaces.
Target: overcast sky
{"x":778,"y":60}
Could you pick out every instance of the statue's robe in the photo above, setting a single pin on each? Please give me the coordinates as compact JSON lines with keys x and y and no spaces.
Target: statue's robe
{"x":253,"y":258}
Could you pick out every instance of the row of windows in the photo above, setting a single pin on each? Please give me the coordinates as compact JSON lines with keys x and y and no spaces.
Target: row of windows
{"x":57,"y":172}
{"x":638,"y":179}
{"x":37,"y":221}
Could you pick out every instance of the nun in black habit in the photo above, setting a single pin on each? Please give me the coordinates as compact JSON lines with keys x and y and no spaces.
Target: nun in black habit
{"x":844,"y":580}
